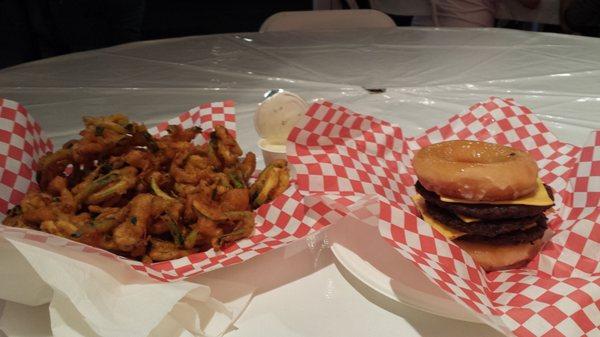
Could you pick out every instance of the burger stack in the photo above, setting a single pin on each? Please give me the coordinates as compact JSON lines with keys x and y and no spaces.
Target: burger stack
{"x":500,"y":234}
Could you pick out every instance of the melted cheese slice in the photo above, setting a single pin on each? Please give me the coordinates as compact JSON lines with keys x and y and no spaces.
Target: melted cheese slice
{"x":466,"y":219}
{"x":448,"y":232}
{"x":539,"y":198}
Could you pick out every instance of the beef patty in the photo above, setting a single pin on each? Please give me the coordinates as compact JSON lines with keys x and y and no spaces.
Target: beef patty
{"x":488,"y":228}
{"x":511,"y":238}
{"x":485,"y":211}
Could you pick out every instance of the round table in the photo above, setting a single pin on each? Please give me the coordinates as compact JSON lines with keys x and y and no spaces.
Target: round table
{"x":415,"y":77}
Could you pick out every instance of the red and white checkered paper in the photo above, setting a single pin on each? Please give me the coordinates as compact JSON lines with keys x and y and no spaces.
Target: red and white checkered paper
{"x":361,"y":167}
{"x":286,"y":219}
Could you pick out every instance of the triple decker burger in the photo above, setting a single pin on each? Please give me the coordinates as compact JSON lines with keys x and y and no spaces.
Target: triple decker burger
{"x":486,"y":198}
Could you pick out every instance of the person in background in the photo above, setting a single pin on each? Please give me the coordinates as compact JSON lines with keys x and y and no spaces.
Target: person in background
{"x":464,"y":13}
{"x":581,"y":16}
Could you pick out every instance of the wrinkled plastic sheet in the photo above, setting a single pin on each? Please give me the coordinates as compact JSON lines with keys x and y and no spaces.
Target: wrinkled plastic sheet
{"x":420,"y":76}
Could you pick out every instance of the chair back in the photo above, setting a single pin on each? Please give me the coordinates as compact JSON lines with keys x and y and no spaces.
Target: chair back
{"x":327,"y":20}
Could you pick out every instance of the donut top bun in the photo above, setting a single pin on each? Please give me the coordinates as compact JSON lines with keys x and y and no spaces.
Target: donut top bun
{"x":476,"y":171}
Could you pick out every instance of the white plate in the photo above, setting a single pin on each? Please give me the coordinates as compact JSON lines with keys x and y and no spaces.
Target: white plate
{"x":359,"y":248}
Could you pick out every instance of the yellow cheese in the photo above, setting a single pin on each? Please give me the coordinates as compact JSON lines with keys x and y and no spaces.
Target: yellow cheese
{"x":449,"y":233}
{"x":539,"y":198}
{"x":466,"y":219}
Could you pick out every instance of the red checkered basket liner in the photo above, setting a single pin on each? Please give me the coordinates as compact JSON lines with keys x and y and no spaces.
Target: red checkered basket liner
{"x":286,"y":219}
{"x":361,"y":166}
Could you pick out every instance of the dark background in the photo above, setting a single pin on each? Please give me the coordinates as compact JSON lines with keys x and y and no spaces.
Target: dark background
{"x":35,"y":29}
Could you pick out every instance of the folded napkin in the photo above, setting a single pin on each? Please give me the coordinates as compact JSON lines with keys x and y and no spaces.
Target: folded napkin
{"x":106,"y":298}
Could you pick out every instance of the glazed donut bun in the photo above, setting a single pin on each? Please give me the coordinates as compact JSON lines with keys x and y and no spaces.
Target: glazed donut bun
{"x":476,"y":171}
{"x":492,"y":258}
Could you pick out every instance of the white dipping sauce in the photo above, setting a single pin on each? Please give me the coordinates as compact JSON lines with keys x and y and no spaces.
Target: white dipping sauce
{"x":277,"y":115}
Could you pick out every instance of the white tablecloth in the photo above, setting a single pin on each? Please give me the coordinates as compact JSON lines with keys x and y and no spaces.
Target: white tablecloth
{"x":427,"y":75}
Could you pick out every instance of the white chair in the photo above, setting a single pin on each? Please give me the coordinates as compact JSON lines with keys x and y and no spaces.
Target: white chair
{"x":326,"y":20}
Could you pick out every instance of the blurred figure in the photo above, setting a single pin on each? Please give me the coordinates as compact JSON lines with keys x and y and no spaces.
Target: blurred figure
{"x":581,"y":16}
{"x":464,"y":13}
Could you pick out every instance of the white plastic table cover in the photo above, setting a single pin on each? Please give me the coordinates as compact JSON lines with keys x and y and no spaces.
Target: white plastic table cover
{"x":421,"y":76}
